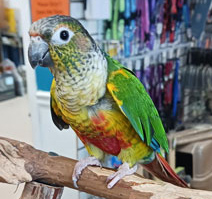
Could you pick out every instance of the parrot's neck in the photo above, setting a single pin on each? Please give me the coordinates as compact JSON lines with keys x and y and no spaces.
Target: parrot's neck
{"x":77,"y":88}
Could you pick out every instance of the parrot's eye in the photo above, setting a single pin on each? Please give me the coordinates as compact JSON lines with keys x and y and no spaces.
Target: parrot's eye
{"x":62,"y":36}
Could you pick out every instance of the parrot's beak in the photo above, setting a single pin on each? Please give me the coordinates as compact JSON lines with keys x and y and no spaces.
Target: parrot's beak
{"x":38,"y":53}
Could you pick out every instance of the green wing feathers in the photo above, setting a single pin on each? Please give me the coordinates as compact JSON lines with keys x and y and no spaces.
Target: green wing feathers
{"x":135,"y":103}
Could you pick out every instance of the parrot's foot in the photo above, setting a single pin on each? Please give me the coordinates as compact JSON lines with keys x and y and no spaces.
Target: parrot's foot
{"x":123,"y":171}
{"x":81,"y":165}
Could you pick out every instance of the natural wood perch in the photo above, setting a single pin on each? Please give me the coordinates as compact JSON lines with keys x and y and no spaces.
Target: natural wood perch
{"x":35,"y":190}
{"x":20,"y":162}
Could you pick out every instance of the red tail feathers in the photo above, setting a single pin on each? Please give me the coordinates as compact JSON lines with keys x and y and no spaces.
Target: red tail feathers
{"x":161,"y":169}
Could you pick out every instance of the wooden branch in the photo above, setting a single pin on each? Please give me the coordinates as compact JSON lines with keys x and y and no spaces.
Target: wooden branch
{"x":20,"y":162}
{"x":35,"y":190}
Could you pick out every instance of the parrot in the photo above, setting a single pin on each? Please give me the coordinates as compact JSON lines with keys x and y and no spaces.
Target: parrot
{"x":101,"y":100}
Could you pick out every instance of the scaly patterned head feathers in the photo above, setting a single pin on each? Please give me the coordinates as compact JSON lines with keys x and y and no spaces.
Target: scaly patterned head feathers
{"x":79,"y":67}
{"x":64,"y":36}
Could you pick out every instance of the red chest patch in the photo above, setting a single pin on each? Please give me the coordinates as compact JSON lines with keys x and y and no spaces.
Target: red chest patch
{"x":107,"y":144}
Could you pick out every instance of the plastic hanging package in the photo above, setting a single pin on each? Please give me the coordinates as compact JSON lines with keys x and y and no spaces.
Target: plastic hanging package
{"x":19,"y":84}
{"x":94,"y":12}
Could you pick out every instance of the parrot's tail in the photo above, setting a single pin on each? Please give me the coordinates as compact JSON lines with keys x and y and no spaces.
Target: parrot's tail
{"x":161,"y":169}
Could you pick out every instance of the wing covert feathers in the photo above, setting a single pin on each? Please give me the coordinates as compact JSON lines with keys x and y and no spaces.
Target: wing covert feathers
{"x":135,"y":103}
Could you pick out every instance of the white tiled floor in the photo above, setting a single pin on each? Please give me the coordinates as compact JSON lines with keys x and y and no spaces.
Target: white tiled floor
{"x":15,"y":123}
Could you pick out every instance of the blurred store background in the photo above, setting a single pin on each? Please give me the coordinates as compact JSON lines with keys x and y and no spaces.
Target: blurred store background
{"x":168,"y":45}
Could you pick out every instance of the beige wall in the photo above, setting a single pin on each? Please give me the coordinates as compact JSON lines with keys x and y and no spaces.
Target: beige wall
{"x":14,"y":123}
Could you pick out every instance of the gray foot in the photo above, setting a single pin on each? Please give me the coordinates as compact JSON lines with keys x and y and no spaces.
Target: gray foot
{"x":123,"y":171}
{"x":81,"y":165}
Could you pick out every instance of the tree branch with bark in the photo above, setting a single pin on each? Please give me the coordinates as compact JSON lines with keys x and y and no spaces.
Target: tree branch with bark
{"x":20,"y":162}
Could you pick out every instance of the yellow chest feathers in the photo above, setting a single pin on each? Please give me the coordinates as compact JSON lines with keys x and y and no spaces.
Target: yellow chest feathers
{"x":76,"y":89}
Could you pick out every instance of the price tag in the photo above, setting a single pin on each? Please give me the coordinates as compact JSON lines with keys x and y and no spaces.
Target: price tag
{"x":159,"y":28}
{"x":164,"y":57}
{"x":138,"y":64}
{"x":129,"y":65}
{"x":146,"y":61}
{"x":9,"y":81}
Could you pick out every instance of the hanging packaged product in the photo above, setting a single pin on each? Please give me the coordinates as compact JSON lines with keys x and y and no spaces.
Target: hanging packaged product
{"x":93,"y":11}
{"x":7,"y":84}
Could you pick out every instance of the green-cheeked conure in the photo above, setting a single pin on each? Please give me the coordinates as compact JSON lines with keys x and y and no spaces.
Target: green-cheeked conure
{"x":101,"y":100}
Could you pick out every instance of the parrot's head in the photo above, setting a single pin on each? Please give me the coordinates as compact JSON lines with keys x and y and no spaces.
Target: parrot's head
{"x":58,"y":40}
{"x":63,"y":45}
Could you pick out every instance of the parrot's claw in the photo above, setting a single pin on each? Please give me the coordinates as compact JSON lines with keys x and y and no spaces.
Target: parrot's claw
{"x":123,"y":171}
{"x":81,"y":165}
